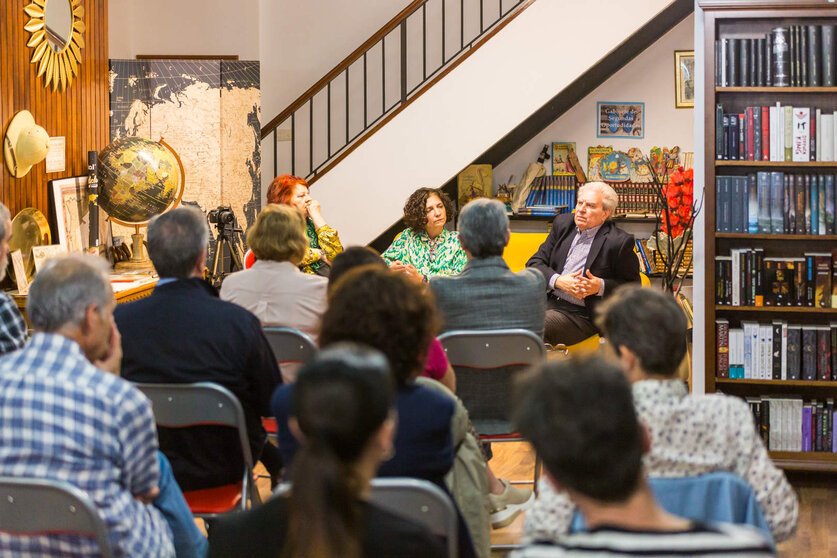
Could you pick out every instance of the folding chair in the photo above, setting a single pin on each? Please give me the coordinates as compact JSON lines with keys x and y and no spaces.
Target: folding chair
{"x":41,"y":506}
{"x":421,"y":502}
{"x":202,"y":404}
{"x":485,"y":363}
{"x":292,"y":349}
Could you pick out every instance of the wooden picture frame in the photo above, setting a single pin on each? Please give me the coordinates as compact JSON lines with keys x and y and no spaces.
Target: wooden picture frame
{"x":684,"y":79}
{"x":69,"y":216}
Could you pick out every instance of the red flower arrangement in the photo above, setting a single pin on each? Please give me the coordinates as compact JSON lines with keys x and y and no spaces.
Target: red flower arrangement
{"x":679,"y":195}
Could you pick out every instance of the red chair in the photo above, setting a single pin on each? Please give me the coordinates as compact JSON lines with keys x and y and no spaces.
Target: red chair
{"x":201,"y":404}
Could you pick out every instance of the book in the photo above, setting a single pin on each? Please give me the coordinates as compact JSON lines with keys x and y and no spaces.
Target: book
{"x":751,"y":334}
{"x":793,"y":355}
{"x":822,"y":292}
{"x":803,"y":56}
{"x":821,"y":219}
{"x":752,"y":204}
{"x":777,"y":181}
{"x":823,"y":353}
{"x":719,"y":132}
{"x":722,"y":348}
{"x":832,"y":327}
{"x":809,"y":353}
{"x":723,"y":63}
{"x":812,"y":130}
{"x":764,"y":203}
{"x":814,"y":53}
{"x":759,"y":79}
{"x":765,"y":351}
{"x":807,"y":195}
{"x":801,"y":134}
{"x":780,"y":69}
{"x":834,"y":281}
{"x":828,"y":56}
{"x":830,"y":223}
{"x":733,"y":75}
{"x":744,"y":55}
{"x":776,"y":355}
{"x":765,"y":133}
{"x":733,"y":148}
{"x":807,"y":427}
{"x":757,"y":276}
{"x":787,"y":120}
{"x":799,"y":283}
{"x":790,"y":205}
{"x":749,"y":117}
{"x":768,"y":60}
{"x":757,"y":149}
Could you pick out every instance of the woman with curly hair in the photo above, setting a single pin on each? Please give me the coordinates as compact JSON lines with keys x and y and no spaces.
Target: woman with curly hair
{"x":425,"y":248}
{"x":323,"y":241}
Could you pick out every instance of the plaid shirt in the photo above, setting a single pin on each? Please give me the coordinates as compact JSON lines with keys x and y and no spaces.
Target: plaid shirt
{"x":12,"y":326}
{"x":61,"y":418}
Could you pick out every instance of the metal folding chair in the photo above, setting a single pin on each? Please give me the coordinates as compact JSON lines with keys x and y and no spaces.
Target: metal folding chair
{"x":202,"y":404}
{"x":421,"y":502}
{"x":41,"y":506}
{"x":292,"y":349}
{"x":486,"y":363}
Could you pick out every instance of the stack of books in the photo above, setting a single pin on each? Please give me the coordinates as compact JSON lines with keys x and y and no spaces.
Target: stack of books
{"x":776,"y":203}
{"x":791,"y":424}
{"x":792,"y":56}
{"x":550,"y":195}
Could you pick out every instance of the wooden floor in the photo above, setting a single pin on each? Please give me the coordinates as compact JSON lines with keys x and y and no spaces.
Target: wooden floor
{"x":816,"y":534}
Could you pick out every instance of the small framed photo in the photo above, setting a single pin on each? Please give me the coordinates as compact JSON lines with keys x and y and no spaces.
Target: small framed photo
{"x":69,"y":214}
{"x":684,"y":79}
{"x":620,"y":120}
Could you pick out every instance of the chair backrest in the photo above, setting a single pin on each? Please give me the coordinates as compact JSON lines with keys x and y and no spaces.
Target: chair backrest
{"x":421,"y":502}
{"x":41,"y":506}
{"x":722,"y":497}
{"x":202,"y":404}
{"x":290,"y":345}
{"x":485,"y":363}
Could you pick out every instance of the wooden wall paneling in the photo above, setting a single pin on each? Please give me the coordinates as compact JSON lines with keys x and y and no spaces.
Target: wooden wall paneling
{"x":79,"y":114}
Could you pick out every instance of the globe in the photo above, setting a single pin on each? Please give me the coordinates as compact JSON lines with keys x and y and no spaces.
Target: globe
{"x":139,"y":179}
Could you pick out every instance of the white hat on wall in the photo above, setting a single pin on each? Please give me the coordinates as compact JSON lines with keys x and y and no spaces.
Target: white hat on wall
{"x":25,"y":144}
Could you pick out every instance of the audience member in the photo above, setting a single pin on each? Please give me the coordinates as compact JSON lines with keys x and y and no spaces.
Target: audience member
{"x":584,"y":258}
{"x":274,"y":289}
{"x":183,"y":333}
{"x":487,"y":294}
{"x":12,"y":326}
{"x":580,"y":418}
{"x":343,"y":414}
{"x":437,"y":366}
{"x":67,"y":416}
{"x":690,"y":434}
{"x":323,"y":241}
{"x":388,"y":312}
{"x":426,"y":248}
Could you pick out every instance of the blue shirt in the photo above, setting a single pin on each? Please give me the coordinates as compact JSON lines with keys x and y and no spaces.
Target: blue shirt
{"x":61,"y":418}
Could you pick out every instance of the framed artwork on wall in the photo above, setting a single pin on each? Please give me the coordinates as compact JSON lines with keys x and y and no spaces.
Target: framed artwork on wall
{"x":620,"y":120}
{"x":684,"y":79}
{"x":69,"y":214}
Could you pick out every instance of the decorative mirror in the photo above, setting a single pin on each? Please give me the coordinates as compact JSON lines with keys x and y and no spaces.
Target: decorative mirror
{"x":56,"y":29}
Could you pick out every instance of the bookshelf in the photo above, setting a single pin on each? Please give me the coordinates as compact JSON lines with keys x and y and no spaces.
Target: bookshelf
{"x":753,"y":19}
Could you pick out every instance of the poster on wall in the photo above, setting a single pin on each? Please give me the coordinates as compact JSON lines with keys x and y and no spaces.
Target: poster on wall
{"x":561,"y":165}
{"x":209,"y":112}
{"x":620,"y":120}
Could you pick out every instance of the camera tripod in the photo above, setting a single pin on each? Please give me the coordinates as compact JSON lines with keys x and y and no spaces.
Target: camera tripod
{"x":227,"y":238}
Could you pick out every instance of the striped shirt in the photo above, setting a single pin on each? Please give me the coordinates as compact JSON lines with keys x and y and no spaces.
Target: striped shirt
{"x":713,"y":540}
{"x":61,"y":418}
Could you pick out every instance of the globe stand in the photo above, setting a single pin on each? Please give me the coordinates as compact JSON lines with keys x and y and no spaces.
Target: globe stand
{"x":138,"y":261}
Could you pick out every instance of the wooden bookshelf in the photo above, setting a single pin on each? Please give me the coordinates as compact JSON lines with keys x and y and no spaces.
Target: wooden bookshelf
{"x":755,"y":19}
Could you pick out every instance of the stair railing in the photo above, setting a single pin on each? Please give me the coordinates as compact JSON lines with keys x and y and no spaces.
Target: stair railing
{"x":379,"y":79}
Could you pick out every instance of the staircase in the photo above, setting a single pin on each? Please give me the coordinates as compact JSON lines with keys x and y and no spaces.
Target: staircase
{"x":434,"y":90}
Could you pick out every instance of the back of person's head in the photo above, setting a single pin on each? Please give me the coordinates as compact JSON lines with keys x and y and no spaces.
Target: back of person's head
{"x":649,"y":323}
{"x":484,"y":228}
{"x":350,"y":258}
{"x":64,"y":289}
{"x":282,"y":188}
{"x":385,"y":310}
{"x":176,"y":241}
{"x":278,"y":234}
{"x":579,"y":415}
{"x":340,"y":403}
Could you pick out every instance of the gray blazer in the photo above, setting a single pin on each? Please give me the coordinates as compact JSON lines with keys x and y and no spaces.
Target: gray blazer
{"x":488,"y":295}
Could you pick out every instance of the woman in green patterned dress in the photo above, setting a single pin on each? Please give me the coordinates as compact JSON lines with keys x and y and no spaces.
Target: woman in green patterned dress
{"x":323,"y":242}
{"x":425,"y":248}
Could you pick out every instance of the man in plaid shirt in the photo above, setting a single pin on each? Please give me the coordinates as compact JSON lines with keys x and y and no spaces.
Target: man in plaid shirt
{"x":12,"y":326}
{"x":66,"y":415}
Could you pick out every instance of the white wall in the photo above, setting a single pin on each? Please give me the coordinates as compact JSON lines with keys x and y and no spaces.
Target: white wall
{"x":648,"y":78}
{"x":467,"y":111}
{"x":699,"y":301}
{"x":213,"y":27}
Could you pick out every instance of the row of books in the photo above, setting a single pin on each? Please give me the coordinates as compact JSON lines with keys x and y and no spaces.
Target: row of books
{"x":636,"y":198}
{"x":795,"y":56}
{"x":776,"y":351}
{"x":776,"y":203}
{"x":550,"y":195}
{"x":776,"y":133}
{"x":747,"y":278}
{"x":791,"y":424}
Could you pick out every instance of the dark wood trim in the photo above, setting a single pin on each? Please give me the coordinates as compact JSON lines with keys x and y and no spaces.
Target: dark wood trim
{"x":345,"y":63}
{"x":187,"y":57}
{"x":396,"y":111}
{"x":804,"y":460}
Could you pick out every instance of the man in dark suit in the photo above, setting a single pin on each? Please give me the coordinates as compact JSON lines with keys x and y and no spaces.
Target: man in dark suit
{"x":584,"y":258}
{"x":470,"y":300}
{"x":184,"y":333}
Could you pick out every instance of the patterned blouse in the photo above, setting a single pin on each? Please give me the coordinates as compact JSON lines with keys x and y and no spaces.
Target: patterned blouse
{"x":325,"y":238}
{"x":442,"y":255}
{"x":690,"y":435}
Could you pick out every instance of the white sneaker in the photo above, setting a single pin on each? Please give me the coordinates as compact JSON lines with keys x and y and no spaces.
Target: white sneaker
{"x":507,"y":506}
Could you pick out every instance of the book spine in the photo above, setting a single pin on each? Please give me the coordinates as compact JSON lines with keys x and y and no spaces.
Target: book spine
{"x":830,"y":195}
{"x":765,"y":133}
{"x":803,"y":56}
{"x":788,"y":128}
{"x":801,"y":134}
{"x":753,"y":60}
{"x":823,"y":354}
{"x":822,"y":293}
{"x":793,"y":355}
{"x":742,"y":136}
{"x":814,"y":63}
{"x":807,"y":195}
{"x":832,"y":328}
{"x":744,"y":62}
{"x":787,"y":206}
{"x":768,"y":60}
{"x":764,"y":223}
{"x":733,"y":137}
{"x":812,"y":131}
{"x":719,"y":132}
{"x":834,"y":283}
{"x":799,"y":283}
{"x":750,"y":116}
{"x":814,"y":201}
{"x":809,"y":354}
{"x":752,"y":204}
{"x":810,"y":279}
{"x":776,"y":351}
{"x":780,"y":57}
{"x":757,"y":276}
{"x":827,"y":55}
{"x":724,"y":65}
{"x":726,"y":150}
{"x":806,"y":427}
{"x":794,"y":51}
{"x":732,"y":62}
{"x":821,"y":192}
{"x":722,"y":348}
{"x":759,"y":59}
{"x":777,"y":181}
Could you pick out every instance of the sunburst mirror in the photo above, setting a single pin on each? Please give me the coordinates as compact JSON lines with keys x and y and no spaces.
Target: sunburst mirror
{"x":56,"y":29}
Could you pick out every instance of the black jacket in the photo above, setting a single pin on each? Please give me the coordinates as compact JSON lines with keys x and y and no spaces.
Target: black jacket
{"x":184,"y":333}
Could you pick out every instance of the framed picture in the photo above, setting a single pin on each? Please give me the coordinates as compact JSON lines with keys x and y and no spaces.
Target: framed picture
{"x":621,"y":120}
{"x":561,"y":165}
{"x":69,"y":217}
{"x":684,"y":79}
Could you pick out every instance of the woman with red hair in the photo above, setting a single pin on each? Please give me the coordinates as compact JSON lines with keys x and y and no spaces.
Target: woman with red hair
{"x":323,"y":241}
